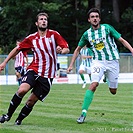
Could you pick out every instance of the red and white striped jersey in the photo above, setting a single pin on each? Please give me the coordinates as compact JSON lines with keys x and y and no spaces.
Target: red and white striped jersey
{"x":44,"y":49}
{"x":19,"y":59}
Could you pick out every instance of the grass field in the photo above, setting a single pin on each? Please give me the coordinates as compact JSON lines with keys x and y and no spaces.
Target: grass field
{"x":60,"y":110}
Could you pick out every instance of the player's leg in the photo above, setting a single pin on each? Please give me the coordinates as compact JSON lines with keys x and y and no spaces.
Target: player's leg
{"x":97,"y":73}
{"x":28,"y":81}
{"x":21,"y":73}
{"x":18,"y":76}
{"x":15,"y":101}
{"x":25,"y":111}
{"x":39,"y":92}
{"x":88,"y":70}
{"x":81,"y":73}
{"x":113,"y":74}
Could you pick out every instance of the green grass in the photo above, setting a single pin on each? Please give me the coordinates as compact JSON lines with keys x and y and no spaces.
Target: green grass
{"x":60,"y":110}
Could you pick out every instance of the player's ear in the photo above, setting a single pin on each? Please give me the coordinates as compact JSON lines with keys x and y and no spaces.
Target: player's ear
{"x":36,"y":23}
{"x":88,"y":20}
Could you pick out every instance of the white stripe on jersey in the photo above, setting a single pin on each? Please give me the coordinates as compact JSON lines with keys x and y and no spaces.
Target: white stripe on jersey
{"x":108,"y":42}
{"x":55,"y":55}
{"x":44,"y":48}
{"x":19,"y":60}
{"x":48,"y":55}
{"x":104,"y":41}
{"x":112,"y":41}
{"x":90,"y":38}
{"x":40,"y":59}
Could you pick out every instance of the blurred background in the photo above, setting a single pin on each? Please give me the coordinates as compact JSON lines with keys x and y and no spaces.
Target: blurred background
{"x":69,"y":18}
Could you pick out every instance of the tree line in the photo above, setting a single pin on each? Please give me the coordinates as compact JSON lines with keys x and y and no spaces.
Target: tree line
{"x":68,"y":17}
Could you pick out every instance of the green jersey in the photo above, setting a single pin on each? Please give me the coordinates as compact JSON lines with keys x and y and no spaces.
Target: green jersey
{"x":87,"y":52}
{"x":101,"y":42}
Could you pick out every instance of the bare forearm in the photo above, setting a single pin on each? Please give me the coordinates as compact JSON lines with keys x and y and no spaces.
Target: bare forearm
{"x":12,"y":54}
{"x":126,"y":44}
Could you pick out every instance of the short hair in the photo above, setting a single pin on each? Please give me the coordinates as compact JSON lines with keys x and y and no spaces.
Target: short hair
{"x":93,"y":10}
{"x":20,"y":39}
{"x":41,"y":14}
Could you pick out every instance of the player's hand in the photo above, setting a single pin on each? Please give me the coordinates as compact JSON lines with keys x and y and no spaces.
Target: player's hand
{"x":69,"y":69}
{"x":58,"y":50}
{"x":2,"y":66}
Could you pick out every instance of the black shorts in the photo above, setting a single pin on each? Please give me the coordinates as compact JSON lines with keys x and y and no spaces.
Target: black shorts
{"x":20,"y":70}
{"x":40,"y":86}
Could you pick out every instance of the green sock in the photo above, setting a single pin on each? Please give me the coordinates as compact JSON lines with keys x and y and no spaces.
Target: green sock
{"x":82,"y":77}
{"x":87,"y":101}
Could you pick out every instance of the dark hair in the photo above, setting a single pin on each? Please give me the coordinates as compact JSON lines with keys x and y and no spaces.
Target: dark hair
{"x":41,"y":14}
{"x":20,"y":39}
{"x":94,"y":10}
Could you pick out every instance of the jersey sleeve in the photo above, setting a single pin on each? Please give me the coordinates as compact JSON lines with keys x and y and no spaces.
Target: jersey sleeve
{"x":25,"y":45}
{"x":113,"y":32}
{"x":60,"y":41}
{"x":83,"y":40}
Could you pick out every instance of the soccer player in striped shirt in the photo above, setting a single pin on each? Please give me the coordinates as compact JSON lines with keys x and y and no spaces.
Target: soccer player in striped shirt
{"x":85,"y":66}
{"x":100,"y":39}
{"x":21,"y":61}
{"x":45,"y":44}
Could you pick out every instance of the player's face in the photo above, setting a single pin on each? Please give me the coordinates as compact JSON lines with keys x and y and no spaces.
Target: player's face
{"x":94,"y":19}
{"x":42,"y":23}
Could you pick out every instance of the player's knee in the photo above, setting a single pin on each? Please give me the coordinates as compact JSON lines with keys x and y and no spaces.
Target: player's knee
{"x":113,"y":91}
{"x":20,"y":93}
{"x":80,"y":71}
{"x":18,"y":74}
{"x":93,"y":86}
{"x":23,"y":89}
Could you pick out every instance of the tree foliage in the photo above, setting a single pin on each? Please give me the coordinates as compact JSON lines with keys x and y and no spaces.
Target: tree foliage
{"x":68,"y":17}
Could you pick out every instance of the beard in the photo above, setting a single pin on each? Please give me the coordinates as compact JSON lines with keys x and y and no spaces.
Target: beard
{"x":42,"y":29}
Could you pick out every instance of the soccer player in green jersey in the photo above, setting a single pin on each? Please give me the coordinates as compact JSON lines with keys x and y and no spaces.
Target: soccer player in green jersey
{"x":85,"y":66}
{"x":100,"y":39}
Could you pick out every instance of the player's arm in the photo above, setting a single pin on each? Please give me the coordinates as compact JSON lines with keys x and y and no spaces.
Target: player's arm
{"x":85,"y":56}
{"x":62,"y":45}
{"x":60,"y":50}
{"x":13,"y":53}
{"x":89,"y":57}
{"x":118,"y":37}
{"x":126,"y":44}
{"x":65,"y":51}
